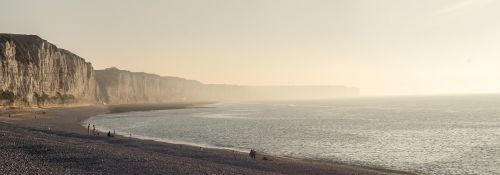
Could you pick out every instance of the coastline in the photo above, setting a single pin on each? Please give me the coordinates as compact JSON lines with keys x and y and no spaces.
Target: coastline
{"x":56,"y":142}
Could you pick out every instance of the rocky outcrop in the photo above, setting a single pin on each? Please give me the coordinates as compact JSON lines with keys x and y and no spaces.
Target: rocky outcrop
{"x":34,"y":72}
{"x":125,"y":87}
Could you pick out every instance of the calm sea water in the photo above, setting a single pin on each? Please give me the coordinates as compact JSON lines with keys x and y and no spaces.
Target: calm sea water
{"x":431,"y":135}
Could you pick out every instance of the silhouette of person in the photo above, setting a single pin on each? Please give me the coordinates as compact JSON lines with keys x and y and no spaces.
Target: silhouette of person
{"x":252,"y":154}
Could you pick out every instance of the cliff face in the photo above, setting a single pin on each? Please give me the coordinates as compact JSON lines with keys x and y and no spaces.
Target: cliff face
{"x":125,"y":87}
{"x":35,"y":72}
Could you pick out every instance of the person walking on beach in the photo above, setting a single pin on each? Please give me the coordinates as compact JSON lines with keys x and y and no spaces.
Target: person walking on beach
{"x":88,"y":129}
{"x":93,"y":130}
{"x":252,"y":154}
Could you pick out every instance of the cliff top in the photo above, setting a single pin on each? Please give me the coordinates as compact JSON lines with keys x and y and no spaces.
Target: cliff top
{"x":20,"y":37}
{"x":116,"y":70}
{"x":25,"y":41}
{"x":30,"y":43}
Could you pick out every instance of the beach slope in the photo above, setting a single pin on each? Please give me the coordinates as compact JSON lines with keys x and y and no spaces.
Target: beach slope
{"x":53,"y":141}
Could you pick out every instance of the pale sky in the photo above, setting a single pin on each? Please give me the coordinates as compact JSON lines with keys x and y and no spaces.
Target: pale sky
{"x":384,"y":47}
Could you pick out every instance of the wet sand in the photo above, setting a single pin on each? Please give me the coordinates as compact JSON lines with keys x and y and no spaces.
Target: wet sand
{"x":56,"y":143}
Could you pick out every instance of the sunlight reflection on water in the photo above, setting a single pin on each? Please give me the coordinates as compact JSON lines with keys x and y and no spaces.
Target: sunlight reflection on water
{"x":435,"y":135}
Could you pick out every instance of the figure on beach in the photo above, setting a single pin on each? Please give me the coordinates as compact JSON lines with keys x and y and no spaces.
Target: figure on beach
{"x":252,"y":154}
{"x":88,"y":129}
{"x":109,"y":134}
{"x":93,"y":130}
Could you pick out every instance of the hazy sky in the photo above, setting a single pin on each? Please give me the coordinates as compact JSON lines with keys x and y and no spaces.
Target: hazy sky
{"x":384,"y":47}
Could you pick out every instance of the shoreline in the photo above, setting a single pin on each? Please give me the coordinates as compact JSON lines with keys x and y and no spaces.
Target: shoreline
{"x":64,"y":125}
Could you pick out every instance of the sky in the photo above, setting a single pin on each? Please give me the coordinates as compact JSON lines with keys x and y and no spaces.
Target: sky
{"x":383,"y":47}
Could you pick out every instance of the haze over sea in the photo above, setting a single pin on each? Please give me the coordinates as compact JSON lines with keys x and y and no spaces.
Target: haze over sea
{"x":432,"y":135}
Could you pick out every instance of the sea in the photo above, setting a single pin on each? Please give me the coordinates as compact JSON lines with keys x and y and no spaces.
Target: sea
{"x":422,"y":134}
